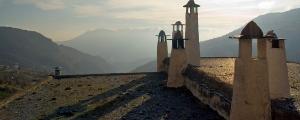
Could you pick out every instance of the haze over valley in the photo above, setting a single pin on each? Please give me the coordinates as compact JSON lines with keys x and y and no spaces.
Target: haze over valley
{"x":126,"y":50}
{"x":122,"y":33}
{"x":34,"y":51}
{"x":124,"y":46}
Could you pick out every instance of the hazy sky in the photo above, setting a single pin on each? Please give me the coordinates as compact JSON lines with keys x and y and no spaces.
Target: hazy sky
{"x":66,"y":19}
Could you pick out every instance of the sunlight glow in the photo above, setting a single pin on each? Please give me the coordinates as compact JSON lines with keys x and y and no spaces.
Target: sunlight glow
{"x":215,"y":16}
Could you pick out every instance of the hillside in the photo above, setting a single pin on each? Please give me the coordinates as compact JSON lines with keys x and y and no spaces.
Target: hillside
{"x":126,"y":49}
{"x":286,"y":25}
{"x":148,"y":67}
{"x":32,"y":50}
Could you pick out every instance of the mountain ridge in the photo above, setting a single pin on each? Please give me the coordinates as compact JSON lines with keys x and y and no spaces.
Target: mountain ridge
{"x":126,"y":49}
{"x":32,"y":50}
{"x":285,"y":24}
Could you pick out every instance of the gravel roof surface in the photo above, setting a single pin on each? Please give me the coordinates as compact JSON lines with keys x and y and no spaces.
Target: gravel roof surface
{"x":126,"y":97}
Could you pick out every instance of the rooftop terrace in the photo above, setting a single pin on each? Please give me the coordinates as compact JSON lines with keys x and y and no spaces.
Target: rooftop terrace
{"x":108,"y":97}
{"x":131,"y":95}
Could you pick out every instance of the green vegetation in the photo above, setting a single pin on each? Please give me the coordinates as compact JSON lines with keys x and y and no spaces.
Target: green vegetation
{"x":6,"y":91}
{"x":4,"y":94}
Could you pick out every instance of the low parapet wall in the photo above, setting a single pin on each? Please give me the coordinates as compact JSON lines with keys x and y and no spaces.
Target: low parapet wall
{"x":218,"y":95}
{"x":209,"y":91}
{"x":107,"y":74}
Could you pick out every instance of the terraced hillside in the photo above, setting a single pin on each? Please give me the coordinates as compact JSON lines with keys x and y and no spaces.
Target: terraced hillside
{"x":107,"y":97}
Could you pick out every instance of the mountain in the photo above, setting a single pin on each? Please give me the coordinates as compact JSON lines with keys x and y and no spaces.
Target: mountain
{"x":32,"y":50}
{"x":148,"y":67}
{"x":286,"y":25}
{"x":126,"y":49}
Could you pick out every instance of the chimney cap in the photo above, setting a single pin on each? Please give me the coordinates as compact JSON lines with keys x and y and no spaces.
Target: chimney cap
{"x":162,"y":33}
{"x":191,"y":3}
{"x":271,"y":34}
{"x":178,"y":23}
{"x":252,"y":31}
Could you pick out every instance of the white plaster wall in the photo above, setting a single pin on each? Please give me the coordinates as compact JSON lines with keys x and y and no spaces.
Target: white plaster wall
{"x":261,"y":48}
{"x":251,"y":100}
{"x":245,"y":48}
{"x":192,"y":45}
{"x":162,"y":54}
{"x":177,"y":65}
{"x":278,"y":71}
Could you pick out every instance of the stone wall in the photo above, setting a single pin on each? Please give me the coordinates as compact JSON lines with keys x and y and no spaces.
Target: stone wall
{"x":209,"y":91}
{"x":218,"y":95}
{"x":96,"y":75}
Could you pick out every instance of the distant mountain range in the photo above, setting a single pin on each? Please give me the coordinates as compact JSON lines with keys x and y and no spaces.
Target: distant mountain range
{"x":129,"y":49}
{"x":125,"y":49}
{"x":32,"y":50}
{"x":148,"y":67}
{"x":286,"y":25}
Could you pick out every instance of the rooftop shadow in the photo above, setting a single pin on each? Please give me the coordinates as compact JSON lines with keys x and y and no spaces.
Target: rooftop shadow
{"x":81,"y":106}
{"x":164,"y":103}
